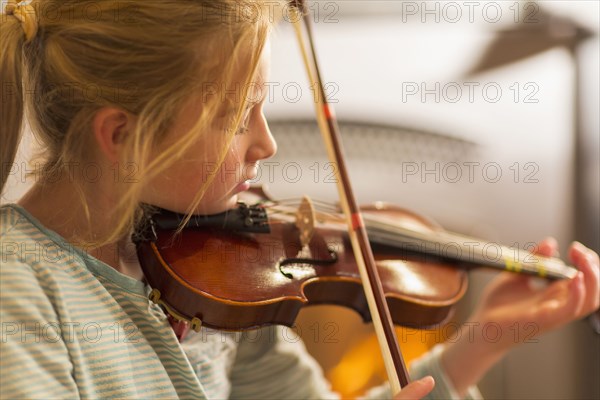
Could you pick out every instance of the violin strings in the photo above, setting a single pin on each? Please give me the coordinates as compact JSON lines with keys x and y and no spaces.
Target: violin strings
{"x":381,"y":229}
{"x":437,"y":238}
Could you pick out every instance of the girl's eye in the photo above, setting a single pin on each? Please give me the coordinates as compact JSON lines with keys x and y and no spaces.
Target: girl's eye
{"x":243,"y":129}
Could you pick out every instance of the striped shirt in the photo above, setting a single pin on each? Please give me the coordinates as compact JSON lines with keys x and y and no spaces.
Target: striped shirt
{"x":74,"y":327}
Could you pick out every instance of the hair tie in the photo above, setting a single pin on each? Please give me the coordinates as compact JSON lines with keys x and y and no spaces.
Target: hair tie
{"x":25,"y":13}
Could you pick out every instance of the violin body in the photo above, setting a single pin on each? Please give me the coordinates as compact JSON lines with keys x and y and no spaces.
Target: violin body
{"x":236,"y":280}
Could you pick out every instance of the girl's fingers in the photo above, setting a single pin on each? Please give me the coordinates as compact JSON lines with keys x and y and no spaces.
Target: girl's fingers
{"x":586,"y":261}
{"x":548,"y":247}
{"x":560,"y":302}
{"x":416,"y":389}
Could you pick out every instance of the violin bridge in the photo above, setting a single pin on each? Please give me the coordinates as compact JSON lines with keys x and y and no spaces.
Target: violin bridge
{"x":305,"y":221}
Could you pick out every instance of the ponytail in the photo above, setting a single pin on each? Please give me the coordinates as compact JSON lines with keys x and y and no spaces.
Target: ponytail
{"x":11,"y":93}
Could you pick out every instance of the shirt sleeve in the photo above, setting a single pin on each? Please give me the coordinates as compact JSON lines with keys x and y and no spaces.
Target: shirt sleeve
{"x":429,"y":364}
{"x":272,"y":363}
{"x":34,"y":360}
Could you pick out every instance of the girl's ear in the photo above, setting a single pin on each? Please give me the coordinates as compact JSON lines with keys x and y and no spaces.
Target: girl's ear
{"x":110,"y":126}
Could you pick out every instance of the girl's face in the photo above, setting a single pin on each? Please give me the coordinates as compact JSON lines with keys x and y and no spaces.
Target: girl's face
{"x":176,"y":187}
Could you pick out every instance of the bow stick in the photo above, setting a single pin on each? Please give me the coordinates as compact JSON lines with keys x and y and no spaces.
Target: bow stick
{"x":382,"y":321}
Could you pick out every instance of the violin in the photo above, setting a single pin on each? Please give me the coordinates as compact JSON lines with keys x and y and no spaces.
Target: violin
{"x":240,"y":270}
{"x":260,"y":264}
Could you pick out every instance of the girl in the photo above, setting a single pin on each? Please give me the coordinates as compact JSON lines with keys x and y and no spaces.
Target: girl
{"x":160,"y":103}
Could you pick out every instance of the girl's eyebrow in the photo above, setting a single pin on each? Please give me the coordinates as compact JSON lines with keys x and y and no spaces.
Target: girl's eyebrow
{"x":258,"y":97}
{"x":252,"y":101}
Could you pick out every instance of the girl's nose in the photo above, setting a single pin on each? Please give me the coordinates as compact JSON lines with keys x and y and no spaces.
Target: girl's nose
{"x":262,"y":144}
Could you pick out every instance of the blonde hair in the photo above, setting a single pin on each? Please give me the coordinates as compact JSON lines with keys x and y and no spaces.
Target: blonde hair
{"x":144,"y":57}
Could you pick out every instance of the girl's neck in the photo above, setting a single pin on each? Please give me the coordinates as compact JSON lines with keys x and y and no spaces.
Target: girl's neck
{"x":59,"y":209}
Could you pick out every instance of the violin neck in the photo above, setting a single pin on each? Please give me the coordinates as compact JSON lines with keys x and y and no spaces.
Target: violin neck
{"x":464,"y":249}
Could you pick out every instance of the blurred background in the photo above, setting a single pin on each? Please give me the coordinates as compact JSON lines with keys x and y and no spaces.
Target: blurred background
{"x":481,"y":115}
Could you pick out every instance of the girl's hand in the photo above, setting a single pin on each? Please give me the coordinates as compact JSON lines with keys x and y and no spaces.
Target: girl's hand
{"x":511,"y":311}
{"x":416,"y":389}
{"x":516,"y":312}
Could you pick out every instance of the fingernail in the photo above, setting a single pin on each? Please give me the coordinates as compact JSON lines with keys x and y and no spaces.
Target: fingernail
{"x":576,"y":279}
{"x":428,"y":380}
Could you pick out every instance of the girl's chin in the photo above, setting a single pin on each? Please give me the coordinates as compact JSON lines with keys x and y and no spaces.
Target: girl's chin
{"x":227,"y":204}
{"x":213,"y":207}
